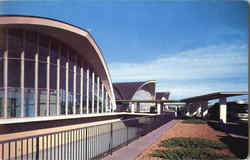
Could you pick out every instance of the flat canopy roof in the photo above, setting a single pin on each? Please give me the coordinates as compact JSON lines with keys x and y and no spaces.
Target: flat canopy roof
{"x":150,"y":101}
{"x":212,"y":96}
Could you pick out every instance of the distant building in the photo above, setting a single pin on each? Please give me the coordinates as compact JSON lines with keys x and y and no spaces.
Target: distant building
{"x":135,"y":91}
{"x":162,"y":95}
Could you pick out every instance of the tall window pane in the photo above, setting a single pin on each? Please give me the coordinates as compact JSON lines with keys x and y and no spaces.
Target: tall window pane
{"x":42,"y":74}
{"x":70,"y":83}
{"x":52,"y":103}
{"x":84,"y":109}
{"x":78,"y":86}
{"x":30,"y":45}
{"x":95,"y":94}
{"x":15,"y":42}
{"x":14,"y":73}
{"x":1,"y":72}
{"x":100,"y":97}
{"x":63,"y":59}
{"x":43,"y":48}
{"x":28,"y":102}
{"x":29,"y":73}
{"x":90,"y":92}
{"x":14,"y":109}
{"x":42,"y":107}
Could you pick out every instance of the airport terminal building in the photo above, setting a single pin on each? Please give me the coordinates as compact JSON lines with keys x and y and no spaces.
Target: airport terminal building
{"x":50,"y":68}
{"x":144,"y":90}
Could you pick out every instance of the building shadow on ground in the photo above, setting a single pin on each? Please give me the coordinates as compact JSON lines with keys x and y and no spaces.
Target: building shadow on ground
{"x":237,"y":145}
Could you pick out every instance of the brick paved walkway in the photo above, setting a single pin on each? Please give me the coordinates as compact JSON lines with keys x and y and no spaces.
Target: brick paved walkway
{"x":131,"y":151}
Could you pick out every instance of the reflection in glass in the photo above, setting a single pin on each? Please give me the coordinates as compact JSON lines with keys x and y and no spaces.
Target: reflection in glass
{"x":52,"y":103}
{"x":28,"y":102}
{"x":42,"y":98}
{"x":70,"y":104}
{"x":77,"y":103}
{"x":14,"y":108}
{"x":62,"y":101}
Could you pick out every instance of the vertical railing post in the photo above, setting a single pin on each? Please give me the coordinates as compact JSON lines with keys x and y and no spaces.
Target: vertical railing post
{"x":86,"y":143}
{"x":37,"y":147}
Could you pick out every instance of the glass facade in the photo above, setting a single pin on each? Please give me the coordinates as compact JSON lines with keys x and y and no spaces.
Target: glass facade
{"x":33,"y":58}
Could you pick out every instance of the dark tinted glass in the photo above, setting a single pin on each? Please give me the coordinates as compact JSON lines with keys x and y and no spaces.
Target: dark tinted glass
{"x":31,"y":45}
{"x":53,"y":76}
{"x":1,"y":72}
{"x":15,"y":41}
{"x":42,"y":74}
{"x":14,"y":73}
{"x":29,"y":74}
{"x":43,"y":48}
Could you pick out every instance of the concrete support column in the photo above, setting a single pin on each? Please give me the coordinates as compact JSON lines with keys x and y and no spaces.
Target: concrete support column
{"x":138,"y":109}
{"x":36,"y":80}
{"x":176,"y":109}
{"x":93,"y":92}
{"x":5,"y":76}
{"x":223,"y":109}
{"x":74,"y":89}
{"x":98,"y":93}
{"x":81,"y":91}
{"x":106,"y":102}
{"x":102,"y":97}
{"x":158,"y":108}
{"x":48,"y":85}
{"x":87,"y":94}
{"x":204,"y":109}
{"x":187,"y":109}
{"x":166,"y":106}
{"x":22,"y":78}
{"x":132,"y":107}
{"x":58,"y":87}
{"x":67,"y":88}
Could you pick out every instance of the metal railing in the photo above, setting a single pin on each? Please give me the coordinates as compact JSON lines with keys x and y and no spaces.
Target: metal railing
{"x":86,"y":143}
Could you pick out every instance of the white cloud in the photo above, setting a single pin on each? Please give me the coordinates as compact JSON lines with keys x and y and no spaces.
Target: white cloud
{"x":212,"y":62}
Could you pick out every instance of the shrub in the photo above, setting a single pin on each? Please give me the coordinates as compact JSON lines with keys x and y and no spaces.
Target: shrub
{"x":192,"y":143}
{"x":194,"y":121}
{"x":188,"y":153}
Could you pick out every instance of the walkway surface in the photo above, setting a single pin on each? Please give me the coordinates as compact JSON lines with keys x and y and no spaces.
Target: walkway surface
{"x":135,"y":148}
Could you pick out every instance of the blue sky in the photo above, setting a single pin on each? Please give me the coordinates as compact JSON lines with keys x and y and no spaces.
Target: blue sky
{"x":188,"y":47}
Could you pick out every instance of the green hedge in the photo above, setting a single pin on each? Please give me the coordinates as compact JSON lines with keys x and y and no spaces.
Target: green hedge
{"x":189,"y":153}
{"x":181,"y":148}
{"x":192,"y":143}
{"x":194,"y":121}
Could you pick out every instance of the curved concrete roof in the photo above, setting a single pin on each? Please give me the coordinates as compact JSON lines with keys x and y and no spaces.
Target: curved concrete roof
{"x":79,"y":39}
{"x":127,"y":90}
{"x":160,"y":95}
